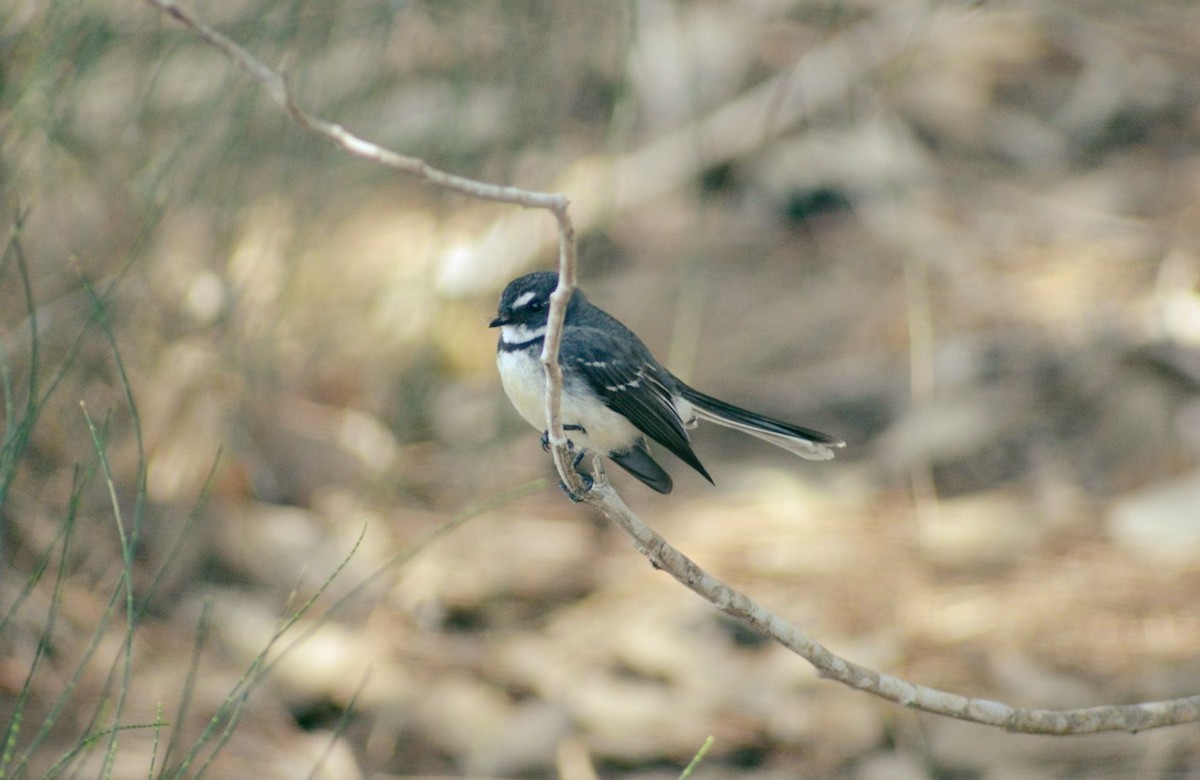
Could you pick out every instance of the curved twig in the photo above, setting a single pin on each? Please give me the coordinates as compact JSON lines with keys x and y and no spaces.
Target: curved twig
{"x":1115,"y":717}
{"x":1127,"y":717}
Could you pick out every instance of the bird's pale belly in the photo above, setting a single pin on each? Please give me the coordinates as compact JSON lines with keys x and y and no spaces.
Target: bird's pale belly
{"x":524,"y":382}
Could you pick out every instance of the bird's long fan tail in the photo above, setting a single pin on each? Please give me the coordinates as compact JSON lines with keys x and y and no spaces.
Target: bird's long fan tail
{"x":805,"y":442}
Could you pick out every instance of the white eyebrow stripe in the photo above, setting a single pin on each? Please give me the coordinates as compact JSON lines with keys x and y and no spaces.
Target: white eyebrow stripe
{"x":523,"y":299}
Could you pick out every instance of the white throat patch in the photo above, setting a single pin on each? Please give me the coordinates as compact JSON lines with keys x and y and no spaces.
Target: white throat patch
{"x":519,"y":334}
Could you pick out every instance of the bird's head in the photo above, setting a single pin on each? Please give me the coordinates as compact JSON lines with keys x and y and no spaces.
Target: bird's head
{"x":525,"y":303}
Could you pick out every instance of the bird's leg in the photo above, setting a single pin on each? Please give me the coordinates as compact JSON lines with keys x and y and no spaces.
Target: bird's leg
{"x":570,"y":444}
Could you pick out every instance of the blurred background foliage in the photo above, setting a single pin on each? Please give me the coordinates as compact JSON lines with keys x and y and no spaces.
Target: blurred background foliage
{"x":962,"y":236}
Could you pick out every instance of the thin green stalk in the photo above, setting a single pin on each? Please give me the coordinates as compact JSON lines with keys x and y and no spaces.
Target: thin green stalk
{"x":696,"y":759}
{"x":91,"y":739}
{"x":129,"y":543}
{"x":158,"y":727}
{"x":185,"y":700}
{"x":18,"y":437}
{"x":260,"y":666}
{"x":340,"y":727}
{"x":189,"y":685}
{"x":232,"y":708}
{"x":80,"y":482}
{"x":194,"y":517}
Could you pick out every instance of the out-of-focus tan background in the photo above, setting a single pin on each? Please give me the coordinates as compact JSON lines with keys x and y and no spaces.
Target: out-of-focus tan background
{"x":963,"y":237}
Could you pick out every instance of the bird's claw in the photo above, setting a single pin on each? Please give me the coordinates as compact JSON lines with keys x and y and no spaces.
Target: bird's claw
{"x":588,"y":483}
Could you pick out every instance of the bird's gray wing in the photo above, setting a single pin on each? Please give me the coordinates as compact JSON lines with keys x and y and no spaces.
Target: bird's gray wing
{"x":631,"y":384}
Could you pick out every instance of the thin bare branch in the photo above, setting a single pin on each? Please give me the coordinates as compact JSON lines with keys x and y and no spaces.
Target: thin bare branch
{"x":1120,"y":717}
{"x":277,"y":88}
{"x":1130,"y":717}
{"x":558,"y":308}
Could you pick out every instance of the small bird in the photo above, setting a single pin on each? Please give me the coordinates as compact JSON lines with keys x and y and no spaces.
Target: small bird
{"x":615,"y":394}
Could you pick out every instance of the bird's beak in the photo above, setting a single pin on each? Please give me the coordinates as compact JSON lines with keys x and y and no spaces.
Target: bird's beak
{"x":501,"y":320}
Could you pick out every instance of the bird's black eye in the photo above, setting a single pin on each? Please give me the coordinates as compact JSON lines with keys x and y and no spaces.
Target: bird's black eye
{"x":537,"y":305}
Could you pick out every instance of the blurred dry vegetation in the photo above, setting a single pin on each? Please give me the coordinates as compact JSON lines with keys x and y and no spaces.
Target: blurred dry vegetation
{"x":963,"y":236}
